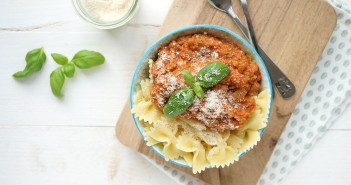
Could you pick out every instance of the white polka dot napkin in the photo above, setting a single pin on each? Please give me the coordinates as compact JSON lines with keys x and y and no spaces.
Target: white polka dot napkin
{"x":326,"y":96}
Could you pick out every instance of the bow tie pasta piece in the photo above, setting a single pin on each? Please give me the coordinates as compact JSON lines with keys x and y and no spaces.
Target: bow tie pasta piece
{"x":262,"y":100}
{"x":145,"y":86}
{"x":222,"y":155}
{"x":235,"y":142}
{"x":143,"y":107}
{"x":250,"y":140}
{"x":195,"y":124}
{"x":173,"y":124}
{"x":213,"y":138}
{"x":147,"y":112}
{"x":166,"y":136}
{"x":255,"y":122}
{"x":199,"y":160}
{"x":138,"y":97}
{"x":189,"y":144}
{"x":149,"y":140}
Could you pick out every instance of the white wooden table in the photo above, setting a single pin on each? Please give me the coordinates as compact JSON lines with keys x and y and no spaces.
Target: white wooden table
{"x":46,"y":140}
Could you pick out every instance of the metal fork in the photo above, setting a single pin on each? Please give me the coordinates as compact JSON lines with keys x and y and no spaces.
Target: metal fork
{"x":284,"y":86}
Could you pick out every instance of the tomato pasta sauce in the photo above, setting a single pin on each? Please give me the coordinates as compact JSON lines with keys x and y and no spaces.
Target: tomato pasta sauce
{"x":228,"y":104}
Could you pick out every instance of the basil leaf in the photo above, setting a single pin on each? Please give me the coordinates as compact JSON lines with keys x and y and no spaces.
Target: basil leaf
{"x":35,"y":60}
{"x":190,"y":80}
{"x":212,"y":74}
{"x":199,"y":92}
{"x":179,"y":102}
{"x":57,"y":79}
{"x":86,"y":59}
{"x":59,"y":59}
{"x":69,"y":70}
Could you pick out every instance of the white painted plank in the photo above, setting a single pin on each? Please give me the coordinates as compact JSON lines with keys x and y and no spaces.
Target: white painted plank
{"x":152,"y":11}
{"x":93,"y":97}
{"x":51,"y":15}
{"x":71,"y":155}
{"x":22,"y":13}
{"x":327,"y":163}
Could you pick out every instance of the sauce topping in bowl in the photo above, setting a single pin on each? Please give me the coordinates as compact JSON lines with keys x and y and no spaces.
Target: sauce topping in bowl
{"x":227,"y":105}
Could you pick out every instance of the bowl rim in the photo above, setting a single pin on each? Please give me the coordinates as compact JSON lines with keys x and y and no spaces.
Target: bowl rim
{"x":143,"y":58}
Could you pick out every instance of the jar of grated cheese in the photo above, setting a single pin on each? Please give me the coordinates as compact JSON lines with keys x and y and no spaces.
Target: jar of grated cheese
{"x":106,"y":14}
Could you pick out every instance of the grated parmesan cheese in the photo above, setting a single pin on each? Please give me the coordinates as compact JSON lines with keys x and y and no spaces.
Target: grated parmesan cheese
{"x":204,"y":51}
{"x":214,"y":54}
{"x":164,"y":57}
{"x":171,"y":83}
{"x":214,"y":103}
{"x":106,"y":10}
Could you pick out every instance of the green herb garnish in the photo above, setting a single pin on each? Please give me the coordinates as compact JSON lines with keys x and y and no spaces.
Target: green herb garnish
{"x":83,"y":59}
{"x":86,"y":59}
{"x":57,"y":79}
{"x":59,"y":59}
{"x":208,"y":76}
{"x":199,"y":91}
{"x":212,"y":74}
{"x":35,"y":60}
{"x":189,"y":79}
{"x":69,"y":70}
{"x":179,"y":102}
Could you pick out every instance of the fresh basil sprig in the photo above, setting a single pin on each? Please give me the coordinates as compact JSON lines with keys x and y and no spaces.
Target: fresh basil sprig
{"x":179,"y":102}
{"x":35,"y":60}
{"x":208,"y":76}
{"x":190,"y":80}
{"x":83,"y":59}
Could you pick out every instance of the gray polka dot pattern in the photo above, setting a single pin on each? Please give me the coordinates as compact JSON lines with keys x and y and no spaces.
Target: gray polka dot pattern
{"x":323,"y":99}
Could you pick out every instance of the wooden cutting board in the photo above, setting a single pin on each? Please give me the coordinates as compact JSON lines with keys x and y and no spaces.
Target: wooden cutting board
{"x":293,"y":33}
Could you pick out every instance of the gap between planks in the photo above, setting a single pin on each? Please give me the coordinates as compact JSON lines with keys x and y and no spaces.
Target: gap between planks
{"x":60,"y":23}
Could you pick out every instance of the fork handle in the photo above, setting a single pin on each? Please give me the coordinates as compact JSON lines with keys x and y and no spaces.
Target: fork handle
{"x":284,"y":86}
{"x":251,"y":32}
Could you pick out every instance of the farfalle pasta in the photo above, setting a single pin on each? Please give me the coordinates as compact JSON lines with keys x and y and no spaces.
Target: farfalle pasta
{"x":217,"y":126}
{"x":189,"y":139}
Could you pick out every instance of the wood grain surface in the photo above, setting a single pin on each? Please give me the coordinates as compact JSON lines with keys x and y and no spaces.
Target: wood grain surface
{"x":292,"y":32}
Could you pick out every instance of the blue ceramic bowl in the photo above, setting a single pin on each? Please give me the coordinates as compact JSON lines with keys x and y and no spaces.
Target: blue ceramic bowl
{"x":142,"y":70}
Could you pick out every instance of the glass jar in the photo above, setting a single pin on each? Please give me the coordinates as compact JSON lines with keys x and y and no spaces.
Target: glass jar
{"x":105,"y":25}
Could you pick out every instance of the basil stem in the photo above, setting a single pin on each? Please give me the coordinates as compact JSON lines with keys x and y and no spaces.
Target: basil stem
{"x":198,"y":91}
{"x":35,"y":60}
{"x":179,"y":102}
{"x":212,"y":74}
{"x":69,"y":70}
{"x":189,"y":79}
